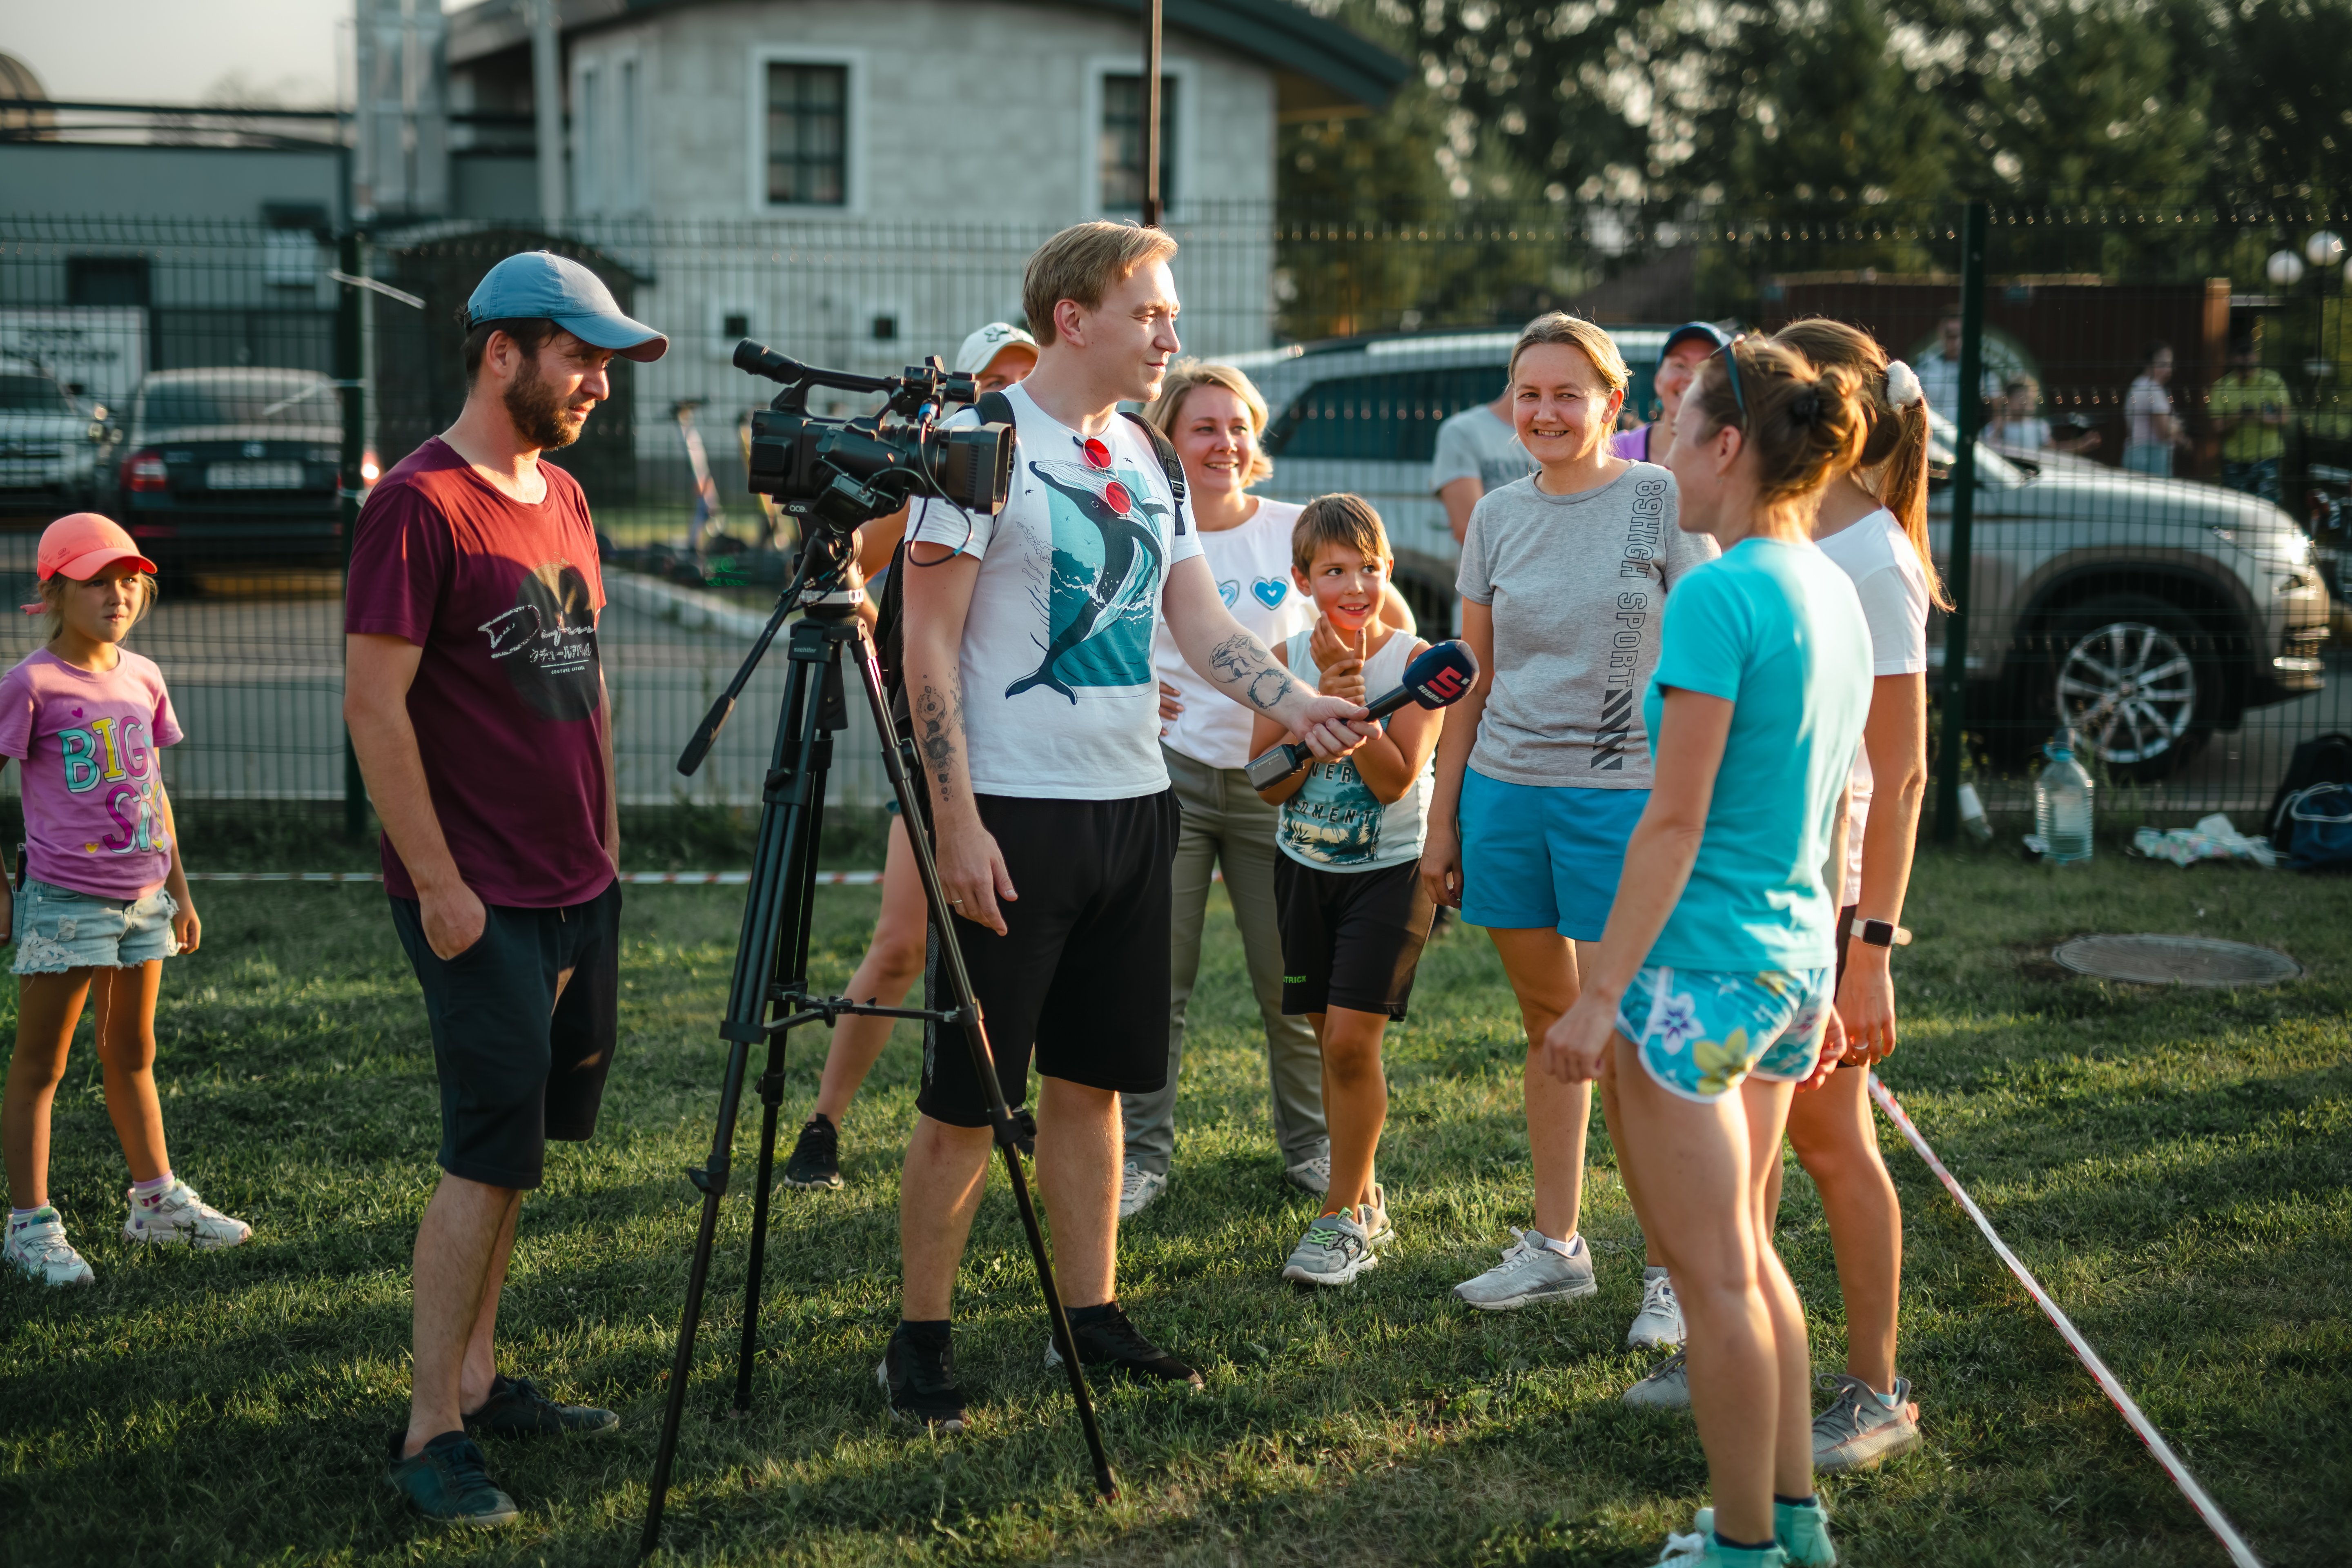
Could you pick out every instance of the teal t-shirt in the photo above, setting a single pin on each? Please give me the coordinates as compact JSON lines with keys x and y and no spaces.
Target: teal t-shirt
{"x":1774,"y":628}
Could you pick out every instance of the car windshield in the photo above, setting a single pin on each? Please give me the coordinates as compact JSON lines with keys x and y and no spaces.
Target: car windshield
{"x":1944,"y":442}
{"x":292,"y":399}
{"x":24,"y":393}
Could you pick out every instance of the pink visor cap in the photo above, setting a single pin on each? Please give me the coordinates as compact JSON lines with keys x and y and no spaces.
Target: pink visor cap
{"x":82,"y":544}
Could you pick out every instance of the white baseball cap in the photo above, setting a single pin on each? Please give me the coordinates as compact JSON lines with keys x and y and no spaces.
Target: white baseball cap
{"x":980,"y":349}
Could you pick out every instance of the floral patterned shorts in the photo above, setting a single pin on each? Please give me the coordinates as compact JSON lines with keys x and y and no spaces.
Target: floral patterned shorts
{"x":1700,"y":1031}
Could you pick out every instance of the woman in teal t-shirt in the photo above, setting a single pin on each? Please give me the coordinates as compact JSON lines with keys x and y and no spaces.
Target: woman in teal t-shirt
{"x":1710,"y":998}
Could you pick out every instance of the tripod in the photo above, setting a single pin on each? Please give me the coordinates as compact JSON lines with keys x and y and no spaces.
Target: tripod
{"x":772,"y":970}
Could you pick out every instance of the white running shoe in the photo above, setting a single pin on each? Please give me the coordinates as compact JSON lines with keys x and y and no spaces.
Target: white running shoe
{"x":1136,"y":1189}
{"x":1666,"y":1387}
{"x":1335,"y":1249}
{"x":1534,"y":1268}
{"x":1312,"y":1175}
{"x":176,"y":1214}
{"x":39,"y":1248}
{"x":1860,"y":1429}
{"x":1658,"y":1326}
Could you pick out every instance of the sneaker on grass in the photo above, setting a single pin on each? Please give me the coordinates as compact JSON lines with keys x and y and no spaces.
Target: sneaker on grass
{"x":516,"y":1408}
{"x":1312,"y":1175}
{"x":1107,"y":1340}
{"x":918,"y":1376}
{"x":1534,"y":1268}
{"x":816,"y":1156}
{"x":177,"y":1215}
{"x":1702,"y":1548}
{"x":1667,"y":1386}
{"x":1138,"y":1189}
{"x":1658,"y":1326}
{"x":1335,"y":1249}
{"x":37,"y":1247}
{"x":449,"y":1482}
{"x":1860,"y":1429}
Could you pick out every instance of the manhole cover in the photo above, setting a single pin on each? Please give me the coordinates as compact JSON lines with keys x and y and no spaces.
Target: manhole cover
{"x":2176,"y":960}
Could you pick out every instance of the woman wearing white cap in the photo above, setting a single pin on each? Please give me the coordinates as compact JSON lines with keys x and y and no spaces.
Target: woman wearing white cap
{"x":996,"y":356}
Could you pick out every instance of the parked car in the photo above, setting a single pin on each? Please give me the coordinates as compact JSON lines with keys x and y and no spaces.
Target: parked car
{"x":2146,"y":613}
{"x":233,"y":462}
{"x":51,"y":445}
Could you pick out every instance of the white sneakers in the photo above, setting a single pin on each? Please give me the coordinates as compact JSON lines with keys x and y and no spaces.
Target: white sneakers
{"x":1534,"y":1268}
{"x":1136,"y":1189}
{"x":1658,"y":1326}
{"x":38,"y":1249}
{"x":176,"y":1215}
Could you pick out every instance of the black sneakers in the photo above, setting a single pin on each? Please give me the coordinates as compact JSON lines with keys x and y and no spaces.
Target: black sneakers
{"x":1106,"y":1339}
{"x":817,"y":1158}
{"x":918,"y":1374}
{"x":517,"y":1408}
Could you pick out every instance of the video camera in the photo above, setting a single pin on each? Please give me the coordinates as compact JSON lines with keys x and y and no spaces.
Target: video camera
{"x":841,"y":473}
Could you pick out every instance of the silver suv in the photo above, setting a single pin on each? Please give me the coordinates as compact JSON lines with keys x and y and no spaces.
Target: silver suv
{"x":2146,"y":613}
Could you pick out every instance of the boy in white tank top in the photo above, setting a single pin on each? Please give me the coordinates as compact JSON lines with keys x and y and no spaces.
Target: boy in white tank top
{"x":1347,"y":889}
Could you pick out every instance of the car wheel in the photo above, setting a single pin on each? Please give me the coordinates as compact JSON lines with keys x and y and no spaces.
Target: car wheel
{"x":2135,"y":679}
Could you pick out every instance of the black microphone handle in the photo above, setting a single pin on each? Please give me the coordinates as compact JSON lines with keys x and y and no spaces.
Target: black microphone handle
{"x":1401,"y":698}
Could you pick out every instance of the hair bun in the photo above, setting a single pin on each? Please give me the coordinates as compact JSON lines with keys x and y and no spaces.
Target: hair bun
{"x":1806,"y":408}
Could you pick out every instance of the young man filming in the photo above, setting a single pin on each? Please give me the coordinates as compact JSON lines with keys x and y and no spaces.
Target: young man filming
{"x":477,"y":705}
{"x":1029,"y":678}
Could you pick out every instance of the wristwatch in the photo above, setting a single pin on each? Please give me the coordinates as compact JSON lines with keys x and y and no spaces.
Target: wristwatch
{"x":1881,"y":934}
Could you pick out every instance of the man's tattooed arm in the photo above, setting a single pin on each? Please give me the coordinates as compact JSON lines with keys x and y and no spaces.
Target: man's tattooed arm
{"x":1241,"y":664}
{"x":939,"y":731}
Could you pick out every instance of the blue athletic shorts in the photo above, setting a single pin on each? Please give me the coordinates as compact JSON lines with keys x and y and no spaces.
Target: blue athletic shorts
{"x":1543,"y":856}
{"x":1701,"y":1032}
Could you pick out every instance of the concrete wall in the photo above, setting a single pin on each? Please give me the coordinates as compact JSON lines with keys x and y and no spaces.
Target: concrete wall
{"x":67,"y":179}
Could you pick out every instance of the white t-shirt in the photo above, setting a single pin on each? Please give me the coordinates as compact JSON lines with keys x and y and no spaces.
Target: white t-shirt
{"x":2031,"y":434}
{"x":1475,"y":445}
{"x":1059,"y":699}
{"x":1252,"y":564}
{"x":2146,"y":400}
{"x":1940,"y":379}
{"x":1892,"y":588}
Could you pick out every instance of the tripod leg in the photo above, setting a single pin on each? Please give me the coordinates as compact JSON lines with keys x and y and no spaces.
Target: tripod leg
{"x":975,"y":1033}
{"x":772,"y":1098}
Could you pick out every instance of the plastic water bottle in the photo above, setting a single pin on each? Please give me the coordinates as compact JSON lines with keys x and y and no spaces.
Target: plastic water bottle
{"x":2061,"y":803}
{"x":1972,"y":814}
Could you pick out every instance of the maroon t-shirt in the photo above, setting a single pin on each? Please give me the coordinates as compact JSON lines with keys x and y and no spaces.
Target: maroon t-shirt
{"x":502,"y":596}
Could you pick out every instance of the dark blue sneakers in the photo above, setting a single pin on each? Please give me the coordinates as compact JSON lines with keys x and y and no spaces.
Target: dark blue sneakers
{"x":448,"y":1483}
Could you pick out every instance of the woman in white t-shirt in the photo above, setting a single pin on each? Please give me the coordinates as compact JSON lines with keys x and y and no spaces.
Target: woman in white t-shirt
{"x":1872,"y":524}
{"x":1215,"y":418}
{"x":2152,"y":431}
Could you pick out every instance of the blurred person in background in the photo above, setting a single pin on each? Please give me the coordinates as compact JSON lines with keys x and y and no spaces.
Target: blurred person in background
{"x":2250,"y":407}
{"x":2018,"y":425}
{"x":2154,"y":431}
{"x":1940,"y":372}
{"x":1686,"y":349}
{"x":1478,"y":452}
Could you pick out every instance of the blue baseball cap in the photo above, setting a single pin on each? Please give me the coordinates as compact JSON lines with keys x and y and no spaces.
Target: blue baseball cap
{"x":538,"y":284}
{"x":1715,"y":337}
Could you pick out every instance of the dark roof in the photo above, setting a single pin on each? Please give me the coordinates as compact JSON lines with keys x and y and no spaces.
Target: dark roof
{"x":1347,"y":68}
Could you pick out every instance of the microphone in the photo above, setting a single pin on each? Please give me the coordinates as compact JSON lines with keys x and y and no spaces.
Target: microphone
{"x":1440,"y":677}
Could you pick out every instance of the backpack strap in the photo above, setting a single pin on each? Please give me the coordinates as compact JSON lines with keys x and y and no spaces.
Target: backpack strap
{"x":1168,"y":462}
{"x":995,"y":408}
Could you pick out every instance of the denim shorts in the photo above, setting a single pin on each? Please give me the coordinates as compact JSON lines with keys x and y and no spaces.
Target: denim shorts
{"x":58,"y":929}
{"x":1701,"y":1032}
{"x":1534,"y":856}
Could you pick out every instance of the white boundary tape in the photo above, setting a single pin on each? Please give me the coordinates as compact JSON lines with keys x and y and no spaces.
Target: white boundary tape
{"x":696,"y":879}
{"x":2215,"y":1520}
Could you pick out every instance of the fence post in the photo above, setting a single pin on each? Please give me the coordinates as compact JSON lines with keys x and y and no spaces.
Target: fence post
{"x":1958,"y":567}
{"x":351,"y":370}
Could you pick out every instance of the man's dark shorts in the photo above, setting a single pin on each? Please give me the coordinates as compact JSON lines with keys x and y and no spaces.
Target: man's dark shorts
{"x":1082,"y":972}
{"x":518,"y":1065}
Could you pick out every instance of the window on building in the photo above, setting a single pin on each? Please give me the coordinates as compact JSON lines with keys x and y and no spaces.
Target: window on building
{"x":808,"y":135}
{"x":106,"y":280}
{"x":1122,"y":143}
{"x":591,"y":173}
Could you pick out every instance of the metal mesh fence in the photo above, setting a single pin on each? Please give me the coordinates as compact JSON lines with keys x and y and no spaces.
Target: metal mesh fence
{"x":2156,"y":539}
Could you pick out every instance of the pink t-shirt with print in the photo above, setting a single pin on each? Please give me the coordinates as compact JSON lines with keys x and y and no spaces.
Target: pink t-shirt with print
{"x":94,"y":819}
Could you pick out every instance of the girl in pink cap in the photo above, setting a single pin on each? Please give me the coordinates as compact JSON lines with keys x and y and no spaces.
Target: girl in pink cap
{"x":104,"y":898}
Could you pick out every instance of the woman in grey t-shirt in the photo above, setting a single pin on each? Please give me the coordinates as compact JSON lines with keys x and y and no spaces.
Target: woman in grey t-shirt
{"x":1543,"y":770}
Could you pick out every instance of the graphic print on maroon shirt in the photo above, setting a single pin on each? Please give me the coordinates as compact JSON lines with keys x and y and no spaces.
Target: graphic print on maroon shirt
{"x":502,"y":596}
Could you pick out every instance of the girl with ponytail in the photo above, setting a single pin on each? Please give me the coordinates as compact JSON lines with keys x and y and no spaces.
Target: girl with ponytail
{"x":1710,"y":998}
{"x":1872,"y":522}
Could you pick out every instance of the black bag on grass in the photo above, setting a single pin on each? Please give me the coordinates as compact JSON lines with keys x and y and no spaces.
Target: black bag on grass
{"x":2322,"y":760}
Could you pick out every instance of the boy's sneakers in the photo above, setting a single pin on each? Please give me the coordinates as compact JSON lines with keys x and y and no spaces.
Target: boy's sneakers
{"x":1138,"y":1188}
{"x":1106,"y":1339}
{"x":1658,"y":1326}
{"x":1667,"y":1386}
{"x":516,"y":1408}
{"x":37,"y":1246}
{"x":1534,"y":1268}
{"x":177,"y":1215}
{"x":1702,"y":1548}
{"x":816,"y":1157}
{"x":1860,"y":1429}
{"x":448,"y":1483}
{"x":1802,"y":1533}
{"x":918,"y":1376}
{"x":1339,"y":1246}
{"x":1312,"y":1175}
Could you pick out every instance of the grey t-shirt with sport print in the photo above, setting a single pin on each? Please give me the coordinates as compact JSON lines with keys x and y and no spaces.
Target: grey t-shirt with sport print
{"x":1577,"y":584}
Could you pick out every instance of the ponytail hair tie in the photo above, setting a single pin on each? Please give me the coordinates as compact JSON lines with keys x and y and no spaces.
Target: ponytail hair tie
{"x":1902,"y":388}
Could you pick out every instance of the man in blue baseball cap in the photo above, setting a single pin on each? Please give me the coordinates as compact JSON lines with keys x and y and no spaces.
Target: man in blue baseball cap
{"x":1686,"y":348}
{"x":477,"y":705}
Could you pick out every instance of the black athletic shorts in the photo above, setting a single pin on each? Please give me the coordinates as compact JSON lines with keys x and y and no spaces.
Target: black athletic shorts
{"x":1349,"y":938}
{"x":518,"y":1065}
{"x":1081,"y":974}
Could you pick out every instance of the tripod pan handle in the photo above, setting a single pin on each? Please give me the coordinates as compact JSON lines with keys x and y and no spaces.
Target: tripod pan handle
{"x":705,"y":735}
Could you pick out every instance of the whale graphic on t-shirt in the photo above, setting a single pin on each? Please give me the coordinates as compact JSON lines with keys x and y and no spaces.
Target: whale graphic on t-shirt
{"x":1132,"y":558}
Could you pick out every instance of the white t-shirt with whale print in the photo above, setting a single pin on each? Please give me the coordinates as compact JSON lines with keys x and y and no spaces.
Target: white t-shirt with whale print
{"x":1060,"y":700}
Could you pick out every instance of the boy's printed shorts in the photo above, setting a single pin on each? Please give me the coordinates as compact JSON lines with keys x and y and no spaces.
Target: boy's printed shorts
{"x":58,"y":929}
{"x":1701,"y":1032}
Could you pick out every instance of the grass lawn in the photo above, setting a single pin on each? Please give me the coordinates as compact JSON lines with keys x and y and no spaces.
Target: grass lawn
{"x":2177,"y":1166}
